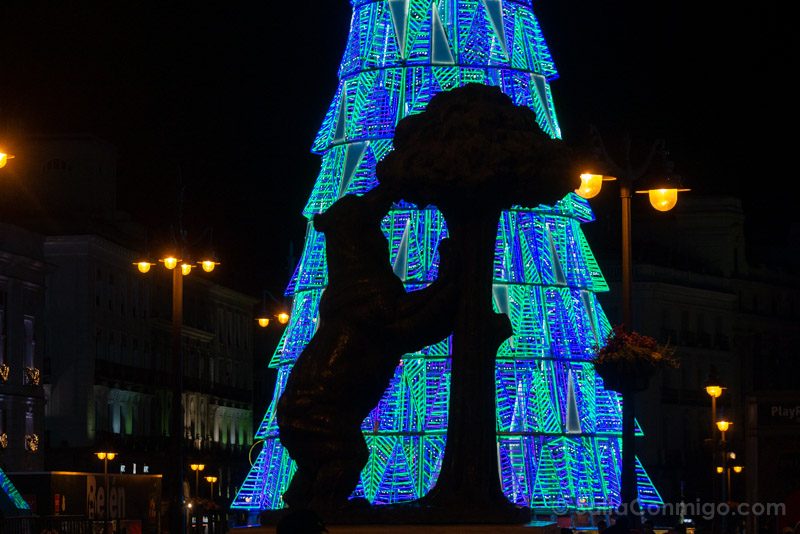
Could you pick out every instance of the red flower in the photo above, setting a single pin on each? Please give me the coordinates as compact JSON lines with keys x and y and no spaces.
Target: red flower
{"x":632,"y":347}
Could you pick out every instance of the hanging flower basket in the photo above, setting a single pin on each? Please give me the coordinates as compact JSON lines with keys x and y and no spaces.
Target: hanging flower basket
{"x":628,"y":360}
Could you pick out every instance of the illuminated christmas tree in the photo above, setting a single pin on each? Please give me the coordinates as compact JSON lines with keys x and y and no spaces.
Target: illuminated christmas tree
{"x":558,"y":430}
{"x":11,"y":502}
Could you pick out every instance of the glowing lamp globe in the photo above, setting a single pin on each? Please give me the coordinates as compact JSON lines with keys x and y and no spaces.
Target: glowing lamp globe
{"x":283,"y":317}
{"x":723,"y":426}
{"x":4,"y":159}
{"x":714,"y":391}
{"x":738,"y":468}
{"x":208,"y":265}
{"x":211,"y":479}
{"x":143,"y":266}
{"x":590,"y":185}
{"x":263,"y":322}
{"x":663,"y":199}
{"x":720,"y":469}
{"x":186,"y":268}
{"x":170,"y":262}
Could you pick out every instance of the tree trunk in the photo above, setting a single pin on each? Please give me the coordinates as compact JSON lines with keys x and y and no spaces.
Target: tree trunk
{"x":468,"y":488}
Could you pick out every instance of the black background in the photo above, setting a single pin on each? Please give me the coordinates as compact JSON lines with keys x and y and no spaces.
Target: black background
{"x":230,"y":97}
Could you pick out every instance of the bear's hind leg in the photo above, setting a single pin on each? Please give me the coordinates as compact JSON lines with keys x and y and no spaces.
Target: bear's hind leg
{"x":338,"y":477}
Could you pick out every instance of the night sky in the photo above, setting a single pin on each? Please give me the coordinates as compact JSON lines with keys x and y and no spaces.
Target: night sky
{"x":229,"y":97}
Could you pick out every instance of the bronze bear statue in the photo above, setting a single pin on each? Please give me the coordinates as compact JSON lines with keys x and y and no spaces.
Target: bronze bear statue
{"x":367,"y":321}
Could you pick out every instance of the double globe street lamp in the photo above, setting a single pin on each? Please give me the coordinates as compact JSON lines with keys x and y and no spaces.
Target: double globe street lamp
{"x":727,"y":458}
{"x":106,"y":457}
{"x":728,"y":466}
{"x":652,"y":177}
{"x":264,"y":318}
{"x":211,"y":480}
{"x":197,"y":468}
{"x":265,"y":315}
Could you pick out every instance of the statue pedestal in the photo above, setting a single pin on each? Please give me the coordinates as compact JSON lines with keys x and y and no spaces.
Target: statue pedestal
{"x":534,"y":527}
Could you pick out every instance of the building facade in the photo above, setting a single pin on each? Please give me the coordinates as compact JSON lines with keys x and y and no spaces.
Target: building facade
{"x":22,"y":310}
{"x":111,"y":374}
{"x":732,"y":320}
{"x":97,"y":334}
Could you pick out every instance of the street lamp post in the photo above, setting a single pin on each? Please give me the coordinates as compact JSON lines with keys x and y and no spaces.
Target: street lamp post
{"x":197,"y":468}
{"x":723,"y":426}
{"x":211,"y":480}
{"x":663,"y":197}
{"x":725,"y":470}
{"x":736,"y":469}
{"x":105,"y":457}
{"x":180,"y":267}
{"x":714,"y":390}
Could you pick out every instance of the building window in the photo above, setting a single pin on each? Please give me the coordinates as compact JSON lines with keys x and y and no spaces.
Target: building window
{"x":29,"y":426}
{"x":30,"y":342}
{"x":114,"y":417}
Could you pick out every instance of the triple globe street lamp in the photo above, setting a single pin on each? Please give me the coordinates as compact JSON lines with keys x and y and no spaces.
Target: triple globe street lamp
{"x":723,"y":459}
{"x":653,"y":176}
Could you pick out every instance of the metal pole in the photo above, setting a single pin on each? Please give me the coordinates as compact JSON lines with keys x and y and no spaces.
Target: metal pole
{"x":723,"y":486}
{"x":714,"y":445}
{"x":625,"y":196}
{"x":105,"y":479}
{"x":714,"y":418}
{"x":178,"y":519}
{"x":728,"y":488}
{"x":724,"y":466}
{"x":628,"y":475}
